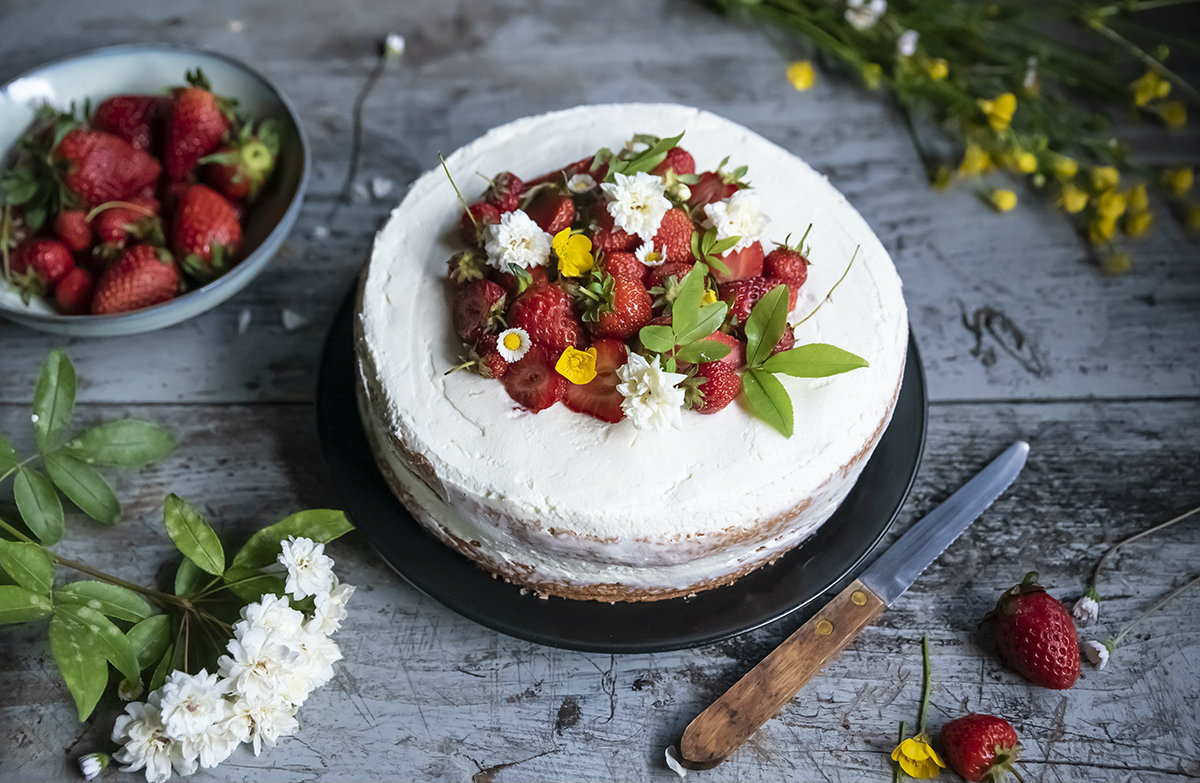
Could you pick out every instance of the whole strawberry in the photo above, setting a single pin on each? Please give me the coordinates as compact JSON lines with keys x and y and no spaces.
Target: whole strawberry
{"x":742,"y":295}
{"x":120,"y":223}
{"x":607,"y":237}
{"x":545,"y":312}
{"x":551,"y":210}
{"x":674,"y":237}
{"x":622,"y":264}
{"x":144,"y":276}
{"x":238,"y":169}
{"x":789,"y":265}
{"x":38,"y":264}
{"x":719,"y":385}
{"x":1036,"y":635}
{"x":504,"y":191}
{"x":134,"y":118}
{"x":614,"y":306}
{"x":73,"y":294}
{"x":980,"y":747}
{"x":195,"y":124}
{"x":473,"y":225}
{"x":99,"y":167}
{"x":678,"y":160}
{"x":206,"y":235}
{"x":73,"y":229}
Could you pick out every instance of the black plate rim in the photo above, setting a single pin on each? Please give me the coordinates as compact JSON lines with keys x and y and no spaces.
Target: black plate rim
{"x":335,"y":396}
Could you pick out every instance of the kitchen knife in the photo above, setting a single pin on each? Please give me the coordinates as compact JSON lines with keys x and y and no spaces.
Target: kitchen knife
{"x":765,"y":689}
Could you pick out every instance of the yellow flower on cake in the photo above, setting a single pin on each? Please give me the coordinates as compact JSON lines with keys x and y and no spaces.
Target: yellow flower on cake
{"x":1179,"y":181}
{"x":917,"y":758}
{"x":1148,"y":87}
{"x":709,"y":297}
{"x":801,"y":74}
{"x":999,"y":111}
{"x":513,"y":344}
{"x":578,"y":367}
{"x":574,"y":253}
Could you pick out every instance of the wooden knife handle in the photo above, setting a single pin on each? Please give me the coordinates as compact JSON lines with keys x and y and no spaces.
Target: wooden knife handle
{"x":762,"y":692}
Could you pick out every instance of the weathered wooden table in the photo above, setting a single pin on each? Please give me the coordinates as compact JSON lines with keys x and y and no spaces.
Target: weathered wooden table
{"x":1021,"y":338}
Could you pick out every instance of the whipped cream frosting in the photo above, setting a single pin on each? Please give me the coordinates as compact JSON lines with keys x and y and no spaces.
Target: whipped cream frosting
{"x":568,"y":499}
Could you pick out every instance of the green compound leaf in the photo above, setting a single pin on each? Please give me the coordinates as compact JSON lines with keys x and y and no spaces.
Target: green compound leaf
{"x":708,"y":320}
{"x":102,"y":637}
{"x":83,"y":667}
{"x":8,"y":456}
{"x":685,"y":312}
{"x":815,"y":360}
{"x":703,"y":351}
{"x":110,"y":600}
{"x":18,"y":605}
{"x":38,"y":503}
{"x":196,"y":540}
{"x":765,"y":325}
{"x":768,"y":400}
{"x":129,"y":442}
{"x":84,"y":485}
{"x":657,"y":337}
{"x":28,"y":565}
{"x":53,"y":400}
{"x":150,"y":638}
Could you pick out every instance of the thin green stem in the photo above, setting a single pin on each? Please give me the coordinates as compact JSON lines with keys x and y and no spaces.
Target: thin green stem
{"x":18,"y":466}
{"x":835,"y":285}
{"x":1135,"y":537}
{"x":1147,"y":59}
{"x":926,"y":685}
{"x":16,"y":533}
{"x":1150,"y":5}
{"x":1132,"y":623}
{"x":898,"y":771}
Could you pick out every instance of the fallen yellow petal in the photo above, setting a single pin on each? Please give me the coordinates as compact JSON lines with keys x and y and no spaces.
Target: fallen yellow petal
{"x":1138,"y":223}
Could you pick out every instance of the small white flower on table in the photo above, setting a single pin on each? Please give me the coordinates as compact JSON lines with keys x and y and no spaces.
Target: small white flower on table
{"x":1086,"y":608}
{"x":309,"y":569}
{"x":740,"y":216}
{"x":637,"y":204}
{"x":1097,"y":653}
{"x":653,"y":399}
{"x":93,"y":764}
{"x":518,"y":240}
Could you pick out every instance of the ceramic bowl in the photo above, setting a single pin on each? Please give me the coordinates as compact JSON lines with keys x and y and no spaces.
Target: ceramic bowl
{"x":149,"y":68}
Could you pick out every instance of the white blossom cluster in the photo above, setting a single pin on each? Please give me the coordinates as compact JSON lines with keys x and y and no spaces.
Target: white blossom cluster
{"x":278,"y":655}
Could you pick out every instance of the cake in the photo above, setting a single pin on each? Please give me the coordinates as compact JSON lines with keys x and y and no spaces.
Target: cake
{"x":569,"y":505}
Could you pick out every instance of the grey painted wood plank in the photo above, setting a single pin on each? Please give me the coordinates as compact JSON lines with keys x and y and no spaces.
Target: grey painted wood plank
{"x":425,"y":694}
{"x":472,"y":66}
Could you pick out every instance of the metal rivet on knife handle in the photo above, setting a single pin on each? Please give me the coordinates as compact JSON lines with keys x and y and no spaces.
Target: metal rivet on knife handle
{"x":824,"y":627}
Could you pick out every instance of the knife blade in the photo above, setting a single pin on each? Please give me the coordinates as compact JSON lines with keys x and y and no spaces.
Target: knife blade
{"x":765,"y":689}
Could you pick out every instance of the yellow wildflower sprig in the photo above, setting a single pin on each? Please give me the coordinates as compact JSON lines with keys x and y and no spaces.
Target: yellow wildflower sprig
{"x":915,"y":755}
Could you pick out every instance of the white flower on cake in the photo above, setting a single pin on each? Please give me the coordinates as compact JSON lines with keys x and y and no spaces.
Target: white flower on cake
{"x":740,"y":216}
{"x":653,"y":399}
{"x":309,"y":569}
{"x":518,"y":240}
{"x":637,"y":204}
{"x":649,"y":255}
{"x":581,"y":183}
{"x":513,"y":344}
{"x":330,"y":607}
{"x":145,"y":744}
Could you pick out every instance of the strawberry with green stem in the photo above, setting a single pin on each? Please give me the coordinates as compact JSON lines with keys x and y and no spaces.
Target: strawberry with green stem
{"x":239,"y":169}
{"x":613,"y":306}
{"x":197,"y":121}
{"x":981,"y":748}
{"x":205,"y":235}
{"x":1036,"y":635}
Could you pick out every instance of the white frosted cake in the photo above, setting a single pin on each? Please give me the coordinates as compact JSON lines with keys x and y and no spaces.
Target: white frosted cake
{"x":569,"y":505}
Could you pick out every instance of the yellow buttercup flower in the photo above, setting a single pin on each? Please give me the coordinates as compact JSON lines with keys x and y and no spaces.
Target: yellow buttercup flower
{"x":1065,"y":167}
{"x":975,"y":161}
{"x":574,"y":253}
{"x":917,"y":758}
{"x":938,"y":69}
{"x":1110,"y":204}
{"x":1025,"y":162}
{"x":1138,"y":223}
{"x":1178,"y":180}
{"x":872,"y":74}
{"x":1105,"y":177}
{"x":1173,"y":114}
{"x":1148,"y":87}
{"x":1136,"y":198}
{"x":1116,"y":263}
{"x":1101,"y":229}
{"x":999,"y":111}
{"x":710,"y":296}
{"x":578,"y":367}
{"x":1072,"y":199}
{"x":801,"y":74}
{"x":1002,"y":200}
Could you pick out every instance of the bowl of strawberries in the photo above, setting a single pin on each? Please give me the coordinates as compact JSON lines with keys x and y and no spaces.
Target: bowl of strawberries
{"x":142,"y":185}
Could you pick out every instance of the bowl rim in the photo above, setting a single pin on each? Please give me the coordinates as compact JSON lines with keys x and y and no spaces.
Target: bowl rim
{"x":281,"y":228}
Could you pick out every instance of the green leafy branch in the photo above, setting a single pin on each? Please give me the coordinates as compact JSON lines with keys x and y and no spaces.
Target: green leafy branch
{"x":629,"y":164}
{"x":691,"y":321}
{"x":707,"y":248}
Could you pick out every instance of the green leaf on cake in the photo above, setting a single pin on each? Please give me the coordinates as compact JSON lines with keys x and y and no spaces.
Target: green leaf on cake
{"x":53,"y":400}
{"x":703,"y":351}
{"x":84,"y":486}
{"x":815,"y":360}
{"x":110,"y":600}
{"x":768,"y":400}
{"x":645,"y":160}
{"x":18,"y":605}
{"x":765,"y":325}
{"x":129,"y":442}
{"x":28,"y":565}
{"x":657,"y":337}
{"x":38,"y":505}
{"x":686,"y":310}
{"x":195,"y":539}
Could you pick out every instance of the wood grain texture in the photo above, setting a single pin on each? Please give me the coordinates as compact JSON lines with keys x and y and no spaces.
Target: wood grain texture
{"x":764,"y":690}
{"x":1103,"y":383}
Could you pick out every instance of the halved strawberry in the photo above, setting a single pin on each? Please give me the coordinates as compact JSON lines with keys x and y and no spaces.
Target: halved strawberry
{"x":545,"y":312}
{"x":713,"y":186}
{"x":473,"y":225}
{"x":674,"y":237}
{"x":736,"y":357}
{"x":787,"y":340}
{"x":743,"y":264}
{"x":742,"y":295}
{"x":478,"y":309}
{"x":533,"y":382}
{"x":551,"y":210}
{"x":600,"y":397}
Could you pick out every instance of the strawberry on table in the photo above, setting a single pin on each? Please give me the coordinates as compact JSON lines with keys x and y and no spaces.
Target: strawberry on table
{"x":134,"y":118}
{"x":533,"y":382}
{"x":196,"y":122}
{"x":1036,"y":635}
{"x":719,"y":385}
{"x":674,"y":237}
{"x":546,"y":313}
{"x":238,"y":169}
{"x":980,"y":747}
{"x":142,"y":277}
{"x":206,"y":234}
{"x":73,"y":294}
{"x":599,"y":397}
{"x":478,"y":309}
{"x":38,"y":264}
